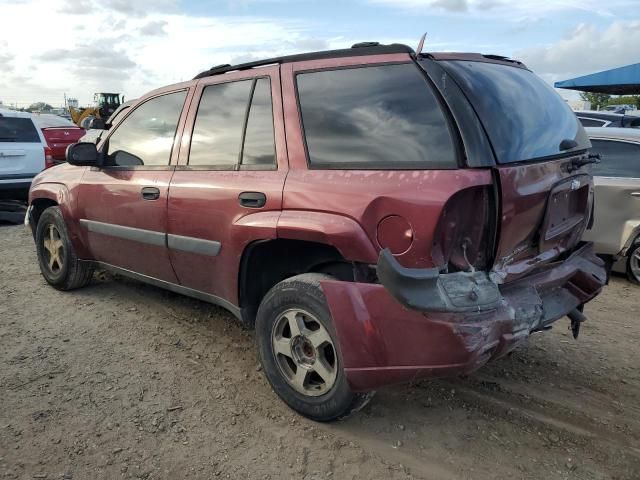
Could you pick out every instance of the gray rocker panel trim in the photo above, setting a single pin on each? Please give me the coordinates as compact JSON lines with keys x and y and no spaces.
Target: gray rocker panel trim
{"x":156,"y":282}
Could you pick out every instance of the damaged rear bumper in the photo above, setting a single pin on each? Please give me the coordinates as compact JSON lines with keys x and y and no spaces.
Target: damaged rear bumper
{"x":418,"y":324}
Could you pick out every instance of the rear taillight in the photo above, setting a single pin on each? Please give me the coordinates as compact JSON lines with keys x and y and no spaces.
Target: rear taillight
{"x":465,"y":235}
{"x":48,"y":158}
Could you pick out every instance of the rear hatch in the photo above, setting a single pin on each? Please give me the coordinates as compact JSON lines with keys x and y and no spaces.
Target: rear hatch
{"x":59,"y":133}
{"x":21,"y":149}
{"x":59,"y":138}
{"x":544,"y":188}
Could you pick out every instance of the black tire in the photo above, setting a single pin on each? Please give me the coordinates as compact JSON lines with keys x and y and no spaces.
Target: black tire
{"x":633,"y":262}
{"x":303,"y":292}
{"x":67,"y":272}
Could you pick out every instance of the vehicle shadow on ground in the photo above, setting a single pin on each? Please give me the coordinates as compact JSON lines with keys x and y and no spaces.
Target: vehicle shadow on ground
{"x":553,"y":392}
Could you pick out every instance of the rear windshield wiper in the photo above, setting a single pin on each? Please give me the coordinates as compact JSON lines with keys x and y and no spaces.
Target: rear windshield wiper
{"x":577,"y":163}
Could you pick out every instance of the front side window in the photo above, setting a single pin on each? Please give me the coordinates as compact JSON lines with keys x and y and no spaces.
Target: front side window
{"x":146,"y":136}
{"x":234,"y":125}
{"x":384,"y":116}
{"x":618,"y":159}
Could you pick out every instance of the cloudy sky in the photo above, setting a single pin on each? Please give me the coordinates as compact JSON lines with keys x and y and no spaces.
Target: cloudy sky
{"x":52,"y":47}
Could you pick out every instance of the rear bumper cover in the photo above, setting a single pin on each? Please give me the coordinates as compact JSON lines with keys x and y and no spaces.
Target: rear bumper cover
{"x":418,"y":324}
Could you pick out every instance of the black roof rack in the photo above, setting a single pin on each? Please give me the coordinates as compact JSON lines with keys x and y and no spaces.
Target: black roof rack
{"x":363,"y":48}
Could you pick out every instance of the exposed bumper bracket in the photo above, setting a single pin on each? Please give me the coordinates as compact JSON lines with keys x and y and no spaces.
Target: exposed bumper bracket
{"x":427,"y":290}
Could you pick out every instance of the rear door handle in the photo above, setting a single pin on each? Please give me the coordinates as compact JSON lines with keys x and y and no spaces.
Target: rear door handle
{"x":635,"y":194}
{"x":150,"y":193}
{"x":252,"y":199}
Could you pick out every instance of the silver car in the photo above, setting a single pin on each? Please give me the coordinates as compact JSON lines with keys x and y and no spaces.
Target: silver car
{"x":616,"y":230}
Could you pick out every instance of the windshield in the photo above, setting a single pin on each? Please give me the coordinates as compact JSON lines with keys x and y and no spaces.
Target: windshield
{"x":523,"y":116}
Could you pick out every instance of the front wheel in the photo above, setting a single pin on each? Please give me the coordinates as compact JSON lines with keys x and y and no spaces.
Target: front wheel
{"x":633,"y":263}
{"x":299,"y":351}
{"x":58,"y":261}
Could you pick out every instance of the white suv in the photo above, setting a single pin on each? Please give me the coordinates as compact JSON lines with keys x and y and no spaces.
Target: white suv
{"x":23,"y":153}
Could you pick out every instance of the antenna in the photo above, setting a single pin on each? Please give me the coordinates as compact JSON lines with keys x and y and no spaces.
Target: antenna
{"x":421,"y":44}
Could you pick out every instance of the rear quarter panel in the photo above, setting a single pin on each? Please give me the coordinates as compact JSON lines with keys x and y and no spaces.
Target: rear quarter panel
{"x":362,"y":197}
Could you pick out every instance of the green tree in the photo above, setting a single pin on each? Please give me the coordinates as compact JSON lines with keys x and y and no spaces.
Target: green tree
{"x":40,"y":107}
{"x":626,"y":100}
{"x":597,"y":100}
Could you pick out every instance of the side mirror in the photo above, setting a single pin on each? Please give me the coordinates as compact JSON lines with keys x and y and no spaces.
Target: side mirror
{"x":82,"y":154}
{"x":96,"y":124}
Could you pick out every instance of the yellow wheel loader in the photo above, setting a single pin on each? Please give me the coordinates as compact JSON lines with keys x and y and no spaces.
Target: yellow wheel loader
{"x":104,"y":104}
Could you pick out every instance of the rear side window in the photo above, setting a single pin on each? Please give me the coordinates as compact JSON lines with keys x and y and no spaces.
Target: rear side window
{"x":380,"y":117}
{"x":618,"y":159}
{"x":259,"y":147}
{"x":234,"y":125}
{"x":146,"y":136}
{"x":524,"y":117}
{"x":19,"y":130}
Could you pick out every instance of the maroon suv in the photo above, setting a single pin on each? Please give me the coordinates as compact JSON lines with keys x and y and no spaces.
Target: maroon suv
{"x":377,"y":216}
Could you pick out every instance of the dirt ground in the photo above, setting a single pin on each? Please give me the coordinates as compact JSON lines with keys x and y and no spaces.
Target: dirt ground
{"x":123,"y":380}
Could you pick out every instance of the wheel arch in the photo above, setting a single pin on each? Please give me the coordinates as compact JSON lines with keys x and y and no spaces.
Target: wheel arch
{"x":45,"y":195}
{"x":264,"y":263}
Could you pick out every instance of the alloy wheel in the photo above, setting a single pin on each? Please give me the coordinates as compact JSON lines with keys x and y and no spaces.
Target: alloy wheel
{"x":53,"y":249}
{"x":304,"y":352}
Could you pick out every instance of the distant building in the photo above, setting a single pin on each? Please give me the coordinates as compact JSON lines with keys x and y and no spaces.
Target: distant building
{"x":72,"y":102}
{"x":579,"y":105}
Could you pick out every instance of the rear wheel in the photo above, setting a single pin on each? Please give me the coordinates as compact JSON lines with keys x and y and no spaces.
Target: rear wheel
{"x":299,"y":351}
{"x":58,"y":262}
{"x":633,"y":263}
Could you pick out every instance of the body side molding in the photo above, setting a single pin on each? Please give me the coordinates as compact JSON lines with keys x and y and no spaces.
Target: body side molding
{"x":128,"y":233}
{"x":200,"y":246}
{"x":176,"y":242}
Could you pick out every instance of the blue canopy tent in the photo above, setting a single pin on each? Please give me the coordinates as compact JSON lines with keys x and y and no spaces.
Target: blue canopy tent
{"x":617,"y":81}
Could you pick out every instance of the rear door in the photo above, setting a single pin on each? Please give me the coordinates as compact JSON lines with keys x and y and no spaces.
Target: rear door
{"x":617,"y":198}
{"x":544,"y":186}
{"x":21,"y":150}
{"x":227,"y":188}
{"x":122,"y":205}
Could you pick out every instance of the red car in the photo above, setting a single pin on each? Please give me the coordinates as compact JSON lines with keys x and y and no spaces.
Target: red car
{"x":59,"y":134}
{"x":378,"y":216}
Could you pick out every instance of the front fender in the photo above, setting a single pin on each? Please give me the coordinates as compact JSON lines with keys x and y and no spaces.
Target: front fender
{"x":66,"y":201}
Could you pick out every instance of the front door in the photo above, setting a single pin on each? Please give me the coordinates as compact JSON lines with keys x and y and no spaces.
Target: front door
{"x":227,"y":189}
{"x":123,"y":204}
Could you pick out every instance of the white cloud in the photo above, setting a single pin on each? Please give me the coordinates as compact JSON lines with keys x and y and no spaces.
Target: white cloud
{"x":515,"y":10}
{"x":586,"y":49}
{"x":118,"y":46}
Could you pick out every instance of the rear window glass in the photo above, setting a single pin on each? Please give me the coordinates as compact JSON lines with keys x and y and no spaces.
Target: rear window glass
{"x":383,"y":117}
{"x":52,"y":121}
{"x":618,"y":159}
{"x":19,"y":130}
{"x":523,"y":116}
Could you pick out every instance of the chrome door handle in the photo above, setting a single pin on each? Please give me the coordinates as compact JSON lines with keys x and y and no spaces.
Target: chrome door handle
{"x":635,"y":194}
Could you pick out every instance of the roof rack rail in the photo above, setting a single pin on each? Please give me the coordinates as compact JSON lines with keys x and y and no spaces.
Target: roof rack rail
{"x":363,"y":48}
{"x":501,"y":58}
{"x":365,"y":44}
